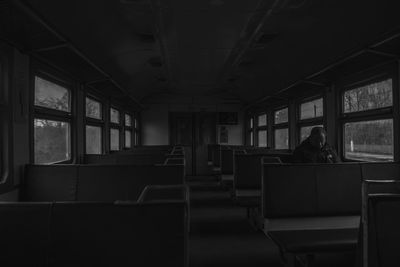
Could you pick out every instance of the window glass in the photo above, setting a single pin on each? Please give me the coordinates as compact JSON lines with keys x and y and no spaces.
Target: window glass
{"x":251,"y":123}
{"x":93,"y":140}
{"x":262,"y":120}
{"x":136,"y":123}
{"x":93,"y":109}
{"x":282,"y":138}
{"x":136,"y":139}
{"x":128,"y":120}
{"x":52,"y":141}
{"x":114,"y":139}
{"x":128,"y":138}
{"x":281,"y":116}
{"x":51,"y":95}
{"x":312,"y":109}
{"x":306,"y":130}
{"x":114,"y":115}
{"x":251,"y":139}
{"x":262,"y":138}
{"x":369,"y":140}
{"x":371,"y":96}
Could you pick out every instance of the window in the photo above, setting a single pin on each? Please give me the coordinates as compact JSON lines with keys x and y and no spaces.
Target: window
{"x":368,"y":122}
{"x":262,"y":138}
{"x":137,"y":130}
{"x":128,"y":120}
{"x":369,"y":140}
{"x":114,"y":139}
{"x":281,"y":116}
{"x":93,"y":109}
{"x":128,"y":138}
{"x":281,"y":128}
{"x":93,"y":139}
{"x":52,"y":121}
{"x":115,"y":129}
{"x":312,"y":109}
{"x":371,"y":96}
{"x":310,"y":115}
{"x":114,"y":115}
{"x":94,"y":126}
{"x":262,"y":130}
{"x":128,"y":131}
{"x":250,"y":128}
{"x":51,"y":95}
{"x":282,"y":138}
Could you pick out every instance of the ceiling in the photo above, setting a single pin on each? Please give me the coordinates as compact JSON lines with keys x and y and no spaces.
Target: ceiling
{"x":231,"y":50}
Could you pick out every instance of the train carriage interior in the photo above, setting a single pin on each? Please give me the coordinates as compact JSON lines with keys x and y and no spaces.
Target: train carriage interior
{"x":167,"y":133}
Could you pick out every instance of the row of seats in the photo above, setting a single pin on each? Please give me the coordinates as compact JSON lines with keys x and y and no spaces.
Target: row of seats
{"x":140,"y":155}
{"x":310,"y":208}
{"x":96,"y":182}
{"x":144,"y":233}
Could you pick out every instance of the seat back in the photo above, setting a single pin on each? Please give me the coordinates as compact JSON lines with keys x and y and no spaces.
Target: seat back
{"x":25,"y":233}
{"x":247,"y":173}
{"x":125,"y":234}
{"x":299,"y":190}
{"x":96,"y":182}
{"x":383,"y":232}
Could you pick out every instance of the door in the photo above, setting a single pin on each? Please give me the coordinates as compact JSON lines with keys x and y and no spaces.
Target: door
{"x":194,"y":131}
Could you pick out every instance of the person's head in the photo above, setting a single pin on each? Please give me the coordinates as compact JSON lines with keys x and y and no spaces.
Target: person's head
{"x":317,"y":137}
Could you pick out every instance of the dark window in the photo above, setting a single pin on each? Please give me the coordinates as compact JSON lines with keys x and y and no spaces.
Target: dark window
{"x":114,"y":139}
{"x":312,"y":109}
{"x":368,"y":122}
{"x":93,"y":109}
{"x":51,"y":95}
{"x":52,"y":122}
{"x":128,"y":138}
{"x":262,"y":138}
{"x":369,"y":140}
{"x":367,"y":97}
{"x":93,"y":139}
{"x":311,"y":114}
{"x":281,"y":116}
{"x":52,"y":141}
{"x":114,"y":115}
{"x":261,"y":130}
{"x":281,"y":138}
{"x":128,"y":120}
{"x":281,"y":128}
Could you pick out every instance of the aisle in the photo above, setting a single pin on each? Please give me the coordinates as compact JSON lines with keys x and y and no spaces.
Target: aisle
{"x":220,"y":234}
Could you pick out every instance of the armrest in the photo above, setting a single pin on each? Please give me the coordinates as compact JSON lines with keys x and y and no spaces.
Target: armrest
{"x":164,"y":192}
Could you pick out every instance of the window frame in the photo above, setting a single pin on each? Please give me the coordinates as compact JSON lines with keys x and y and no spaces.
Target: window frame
{"x":368,"y":115}
{"x":89,"y":121}
{"x":118,"y":126}
{"x":282,"y":125}
{"x":250,"y":130}
{"x":131,"y":129}
{"x":44,"y":113}
{"x":309,"y":121}
{"x":136,"y":132}
{"x":261,"y":128}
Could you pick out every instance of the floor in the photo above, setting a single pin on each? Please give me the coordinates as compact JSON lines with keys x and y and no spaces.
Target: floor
{"x":220,"y":233}
{"x":222,"y":236}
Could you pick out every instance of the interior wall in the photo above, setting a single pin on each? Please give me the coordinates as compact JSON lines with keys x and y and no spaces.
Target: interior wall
{"x":155,"y":124}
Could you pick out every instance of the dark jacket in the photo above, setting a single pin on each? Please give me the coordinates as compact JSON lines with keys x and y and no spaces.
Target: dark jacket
{"x":306,"y":153}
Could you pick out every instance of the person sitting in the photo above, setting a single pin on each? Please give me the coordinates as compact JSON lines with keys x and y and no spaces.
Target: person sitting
{"x":314,"y":149}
